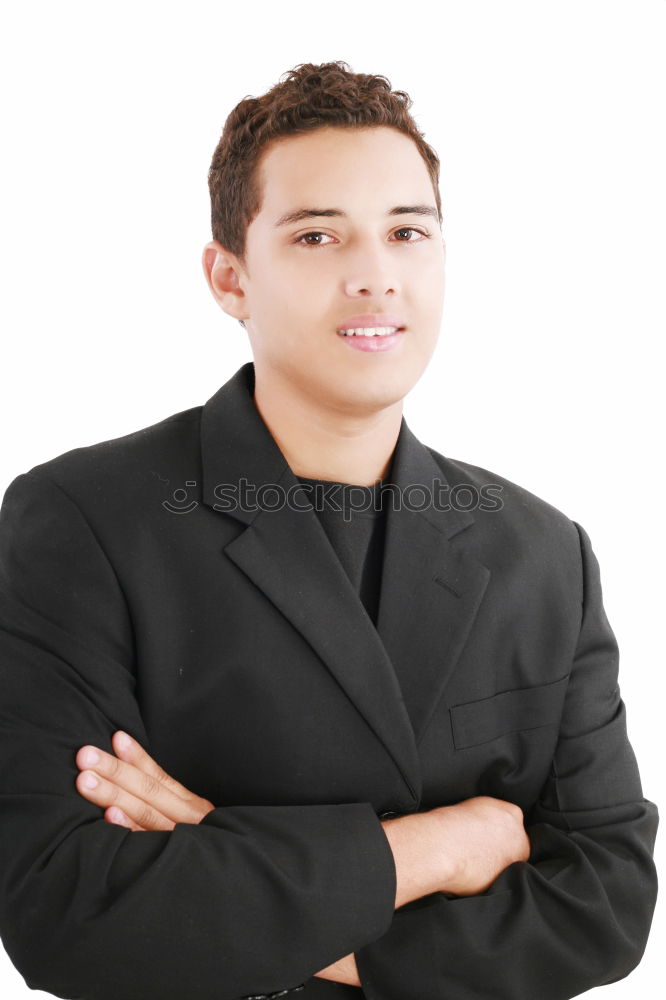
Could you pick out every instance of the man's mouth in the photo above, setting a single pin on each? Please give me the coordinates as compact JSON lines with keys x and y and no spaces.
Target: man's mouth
{"x":370,"y":331}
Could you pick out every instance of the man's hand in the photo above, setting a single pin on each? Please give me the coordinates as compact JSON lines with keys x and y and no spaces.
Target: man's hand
{"x":478,"y":839}
{"x":134,"y":790}
{"x":458,"y":850}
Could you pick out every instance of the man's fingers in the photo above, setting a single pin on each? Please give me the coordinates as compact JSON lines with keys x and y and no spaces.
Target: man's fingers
{"x":105,"y":793}
{"x":129,"y":750}
{"x":126,"y":778}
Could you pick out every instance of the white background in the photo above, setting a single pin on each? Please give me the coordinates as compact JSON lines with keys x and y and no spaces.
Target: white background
{"x":548,"y":119}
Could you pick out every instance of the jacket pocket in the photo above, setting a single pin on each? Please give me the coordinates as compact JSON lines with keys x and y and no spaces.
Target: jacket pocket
{"x":477,"y":722}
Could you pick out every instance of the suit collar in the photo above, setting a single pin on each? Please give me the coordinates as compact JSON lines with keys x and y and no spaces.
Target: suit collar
{"x":236,"y":443}
{"x":395,"y":673}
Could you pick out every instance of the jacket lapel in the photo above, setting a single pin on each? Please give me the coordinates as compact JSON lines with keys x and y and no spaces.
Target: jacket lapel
{"x":392,"y":674}
{"x":430,"y":590}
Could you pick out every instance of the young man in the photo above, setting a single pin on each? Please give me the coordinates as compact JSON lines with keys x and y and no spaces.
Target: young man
{"x":377,"y":750}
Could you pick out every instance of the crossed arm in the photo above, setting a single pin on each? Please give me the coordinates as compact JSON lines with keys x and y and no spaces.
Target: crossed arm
{"x":455,"y":849}
{"x":137,"y":793}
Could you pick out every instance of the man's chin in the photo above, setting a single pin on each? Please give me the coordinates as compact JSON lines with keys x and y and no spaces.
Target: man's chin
{"x":344,"y":392}
{"x":366,"y":399}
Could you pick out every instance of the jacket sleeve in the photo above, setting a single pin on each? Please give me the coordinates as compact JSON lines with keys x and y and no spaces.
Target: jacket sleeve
{"x":577,"y":914}
{"x":252,"y":900}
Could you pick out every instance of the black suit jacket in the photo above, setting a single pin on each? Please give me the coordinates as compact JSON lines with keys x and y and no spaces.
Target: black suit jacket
{"x":232,"y":645}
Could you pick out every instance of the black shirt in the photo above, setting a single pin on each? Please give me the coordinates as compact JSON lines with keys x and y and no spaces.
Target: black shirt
{"x":354,"y":521}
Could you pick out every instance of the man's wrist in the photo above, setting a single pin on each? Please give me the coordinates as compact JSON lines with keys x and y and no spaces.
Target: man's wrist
{"x":414,"y":841}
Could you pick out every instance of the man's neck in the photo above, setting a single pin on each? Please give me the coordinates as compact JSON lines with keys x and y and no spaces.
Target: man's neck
{"x":329,"y":445}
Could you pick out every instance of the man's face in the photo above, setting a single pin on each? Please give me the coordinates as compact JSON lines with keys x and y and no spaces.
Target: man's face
{"x":300,"y":289}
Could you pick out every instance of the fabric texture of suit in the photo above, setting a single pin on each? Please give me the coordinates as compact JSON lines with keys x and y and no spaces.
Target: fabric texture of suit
{"x":231,"y":644}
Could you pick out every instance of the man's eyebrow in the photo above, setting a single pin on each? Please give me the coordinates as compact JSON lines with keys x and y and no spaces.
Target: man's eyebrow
{"x":307,"y":213}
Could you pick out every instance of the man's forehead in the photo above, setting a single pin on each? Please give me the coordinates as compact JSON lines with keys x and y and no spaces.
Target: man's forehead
{"x":303,"y":179}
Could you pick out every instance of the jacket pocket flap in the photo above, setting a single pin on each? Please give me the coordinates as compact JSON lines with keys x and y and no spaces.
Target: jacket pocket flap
{"x":507,"y":712}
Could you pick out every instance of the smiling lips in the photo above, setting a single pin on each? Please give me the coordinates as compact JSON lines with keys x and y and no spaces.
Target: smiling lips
{"x":372,"y":331}
{"x":371,"y":322}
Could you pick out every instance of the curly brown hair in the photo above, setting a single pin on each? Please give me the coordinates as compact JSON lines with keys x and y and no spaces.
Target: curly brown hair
{"x":312,"y":96}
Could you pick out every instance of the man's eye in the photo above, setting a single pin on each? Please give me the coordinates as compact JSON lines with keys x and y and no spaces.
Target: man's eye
{"x":305,"y":236}
{"x":410,"y":229}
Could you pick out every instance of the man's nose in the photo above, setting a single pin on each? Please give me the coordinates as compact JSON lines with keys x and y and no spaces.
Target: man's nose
{"x":371,"y":271}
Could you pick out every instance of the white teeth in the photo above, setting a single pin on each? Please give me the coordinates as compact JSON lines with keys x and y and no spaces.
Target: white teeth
{"x":369,"y":331}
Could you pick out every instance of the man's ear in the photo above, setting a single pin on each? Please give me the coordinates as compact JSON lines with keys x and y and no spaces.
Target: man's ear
{"x":222,"y":270}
